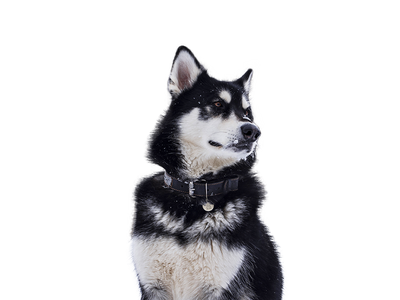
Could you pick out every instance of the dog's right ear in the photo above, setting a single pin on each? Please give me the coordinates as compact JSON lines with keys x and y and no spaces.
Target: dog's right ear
{"x":185,"y":71}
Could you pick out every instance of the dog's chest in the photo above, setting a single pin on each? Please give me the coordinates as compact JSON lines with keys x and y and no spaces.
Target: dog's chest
{"x":186,"y":272}
{"x":201,"y":268}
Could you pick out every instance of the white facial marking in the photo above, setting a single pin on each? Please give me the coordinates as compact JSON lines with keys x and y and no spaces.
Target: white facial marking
{"x":195,"y":134}
{"x":245,"y":102}
{"x":226,"y":96}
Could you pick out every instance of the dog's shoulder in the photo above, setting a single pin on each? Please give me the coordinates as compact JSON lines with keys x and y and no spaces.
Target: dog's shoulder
{"x":150,"y":185}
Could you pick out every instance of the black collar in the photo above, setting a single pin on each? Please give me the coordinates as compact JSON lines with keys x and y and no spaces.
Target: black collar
{"x":198,"y":188}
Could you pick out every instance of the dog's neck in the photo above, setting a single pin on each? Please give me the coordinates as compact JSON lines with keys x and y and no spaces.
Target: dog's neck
{"x":199,"y":163}
{"x":235,"y":168}
{"x":203,"y":188}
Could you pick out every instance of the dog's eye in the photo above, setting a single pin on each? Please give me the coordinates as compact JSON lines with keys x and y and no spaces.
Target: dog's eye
{"x":218,"y":104}
{"x":246,"y":112}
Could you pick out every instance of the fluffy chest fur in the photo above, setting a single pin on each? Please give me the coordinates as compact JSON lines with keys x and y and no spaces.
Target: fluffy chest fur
{"x":203,"y":267}
{"x":194,"y":271}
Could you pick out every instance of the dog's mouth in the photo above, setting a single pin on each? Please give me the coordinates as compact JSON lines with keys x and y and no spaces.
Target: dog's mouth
{"x":244,"y":146}
{"x":214,"y":144}
{"x":236,"y":146}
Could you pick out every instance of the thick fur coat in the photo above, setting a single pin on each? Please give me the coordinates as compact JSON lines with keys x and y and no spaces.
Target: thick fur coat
{"x":180,"y":250}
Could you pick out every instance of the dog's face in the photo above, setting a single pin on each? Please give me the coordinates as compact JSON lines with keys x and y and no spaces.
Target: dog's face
{"x":216,"y":127}
{"x":221,"y":124}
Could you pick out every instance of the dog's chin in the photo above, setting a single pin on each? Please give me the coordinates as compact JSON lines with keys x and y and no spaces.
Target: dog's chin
{"x":242,"y":147}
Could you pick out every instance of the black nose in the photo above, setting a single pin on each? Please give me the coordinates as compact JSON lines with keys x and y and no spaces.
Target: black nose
{"x":250,"y":132}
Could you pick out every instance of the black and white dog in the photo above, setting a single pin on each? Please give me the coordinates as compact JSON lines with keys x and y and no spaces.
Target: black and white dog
{"x":196,"y":232}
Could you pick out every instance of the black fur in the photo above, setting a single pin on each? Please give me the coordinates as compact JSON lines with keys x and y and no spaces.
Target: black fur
{"x":266,"y":277}
{"x":164,"y":144}
{"x":262,"y":274}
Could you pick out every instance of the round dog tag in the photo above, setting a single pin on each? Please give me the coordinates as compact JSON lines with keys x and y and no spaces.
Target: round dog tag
{"x":208,"y":206}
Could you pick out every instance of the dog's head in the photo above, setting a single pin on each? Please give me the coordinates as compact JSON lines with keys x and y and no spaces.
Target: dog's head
{"x":209,"y":122}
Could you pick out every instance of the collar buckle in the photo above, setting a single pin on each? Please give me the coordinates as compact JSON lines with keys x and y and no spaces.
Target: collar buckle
{"x":191,"y":189}
{"x":206,"y":189}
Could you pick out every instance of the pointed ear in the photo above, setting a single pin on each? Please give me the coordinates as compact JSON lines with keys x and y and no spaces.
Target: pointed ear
{"x":245,"y":80}
{"x":185,"y":71}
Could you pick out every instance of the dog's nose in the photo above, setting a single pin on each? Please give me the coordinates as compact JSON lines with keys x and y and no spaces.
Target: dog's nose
{"x":250,"y":132}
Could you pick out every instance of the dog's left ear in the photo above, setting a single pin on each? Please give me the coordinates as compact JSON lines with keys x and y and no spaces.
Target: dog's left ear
{"x":185,"y":71}
{"x":245,"y":80}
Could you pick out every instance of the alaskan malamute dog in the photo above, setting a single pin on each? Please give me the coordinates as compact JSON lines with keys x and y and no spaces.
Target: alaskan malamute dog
{"x":196,"y":232}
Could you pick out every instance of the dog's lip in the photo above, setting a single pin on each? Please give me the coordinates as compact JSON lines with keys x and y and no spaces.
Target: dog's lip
{"x":240,"y":146}
{"x":237,"y":146}
{"x":214,"y":143}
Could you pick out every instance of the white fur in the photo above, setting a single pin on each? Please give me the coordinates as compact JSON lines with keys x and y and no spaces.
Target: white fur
{"x":185,"y":272}
{"x":219,"y":220}
{"x":226,"y":96}
{"x":245,"y":102}
{"x":247,"y":83}
{"x":168,"y":270}
{"x":184,"y":67}
{"x":200,"y":156}
{"x":169,"y":222}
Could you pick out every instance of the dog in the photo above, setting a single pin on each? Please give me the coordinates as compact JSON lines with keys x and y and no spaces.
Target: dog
{"x":196,"y":232}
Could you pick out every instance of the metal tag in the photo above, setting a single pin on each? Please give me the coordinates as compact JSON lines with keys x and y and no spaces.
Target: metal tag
{"x":208,"y":206}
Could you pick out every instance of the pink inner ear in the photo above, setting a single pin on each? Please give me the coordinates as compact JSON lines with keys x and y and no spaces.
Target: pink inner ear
{"x":183,"y":76}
